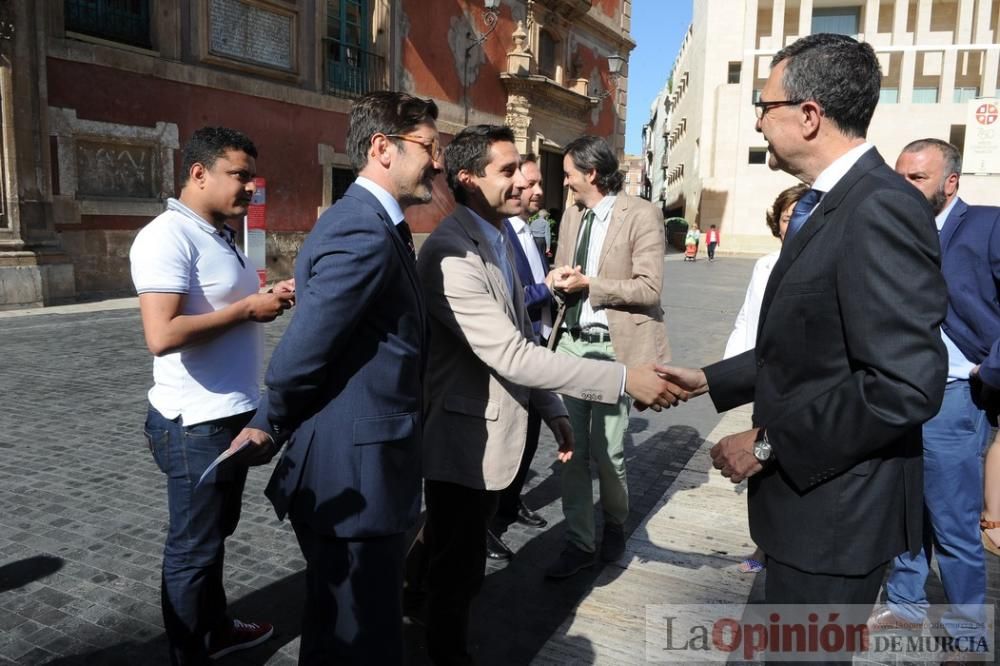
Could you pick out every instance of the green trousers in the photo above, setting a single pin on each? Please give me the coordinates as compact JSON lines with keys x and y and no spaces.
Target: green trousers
{"x":599,"y":434}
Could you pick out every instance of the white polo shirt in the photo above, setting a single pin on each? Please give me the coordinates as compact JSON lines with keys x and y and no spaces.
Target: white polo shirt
{"x":180,"y":253}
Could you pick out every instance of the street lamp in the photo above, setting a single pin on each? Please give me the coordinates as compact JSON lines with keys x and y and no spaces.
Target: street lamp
{"x":490,"y":17}
{"x":615,"y":64}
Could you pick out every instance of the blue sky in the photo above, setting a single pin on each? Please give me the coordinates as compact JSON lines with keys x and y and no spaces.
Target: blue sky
{"x":658,"y":26}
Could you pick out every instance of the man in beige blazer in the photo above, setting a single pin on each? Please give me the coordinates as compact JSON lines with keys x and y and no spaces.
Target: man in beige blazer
{"x":483,"y":370}
{"x":611,"y":254}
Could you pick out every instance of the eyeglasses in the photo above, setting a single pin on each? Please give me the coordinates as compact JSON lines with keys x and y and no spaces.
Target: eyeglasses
{"x":760,"y":108}
{"x":432,"y":145}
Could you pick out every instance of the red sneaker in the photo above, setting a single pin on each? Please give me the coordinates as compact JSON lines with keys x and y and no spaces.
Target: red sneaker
{"x":240,"y":636}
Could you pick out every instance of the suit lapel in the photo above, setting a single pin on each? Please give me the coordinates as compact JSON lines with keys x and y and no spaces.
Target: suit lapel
{"x":493,"y":273}
{"x":824,"y":209}
{"x":409,"y":267}
{"x":523,"y":265}
{"x":615,"y":223}
{"x":955,"y":219}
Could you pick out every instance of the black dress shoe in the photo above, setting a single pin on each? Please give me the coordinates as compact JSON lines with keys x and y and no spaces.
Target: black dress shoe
{"x":526,"y":516}
{"x":496,"y":549}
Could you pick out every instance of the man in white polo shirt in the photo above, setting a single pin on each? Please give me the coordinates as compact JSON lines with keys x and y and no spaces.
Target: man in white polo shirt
{"x":200,"y":307}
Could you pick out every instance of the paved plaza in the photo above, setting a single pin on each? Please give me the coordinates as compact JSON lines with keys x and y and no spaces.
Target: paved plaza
{"x":83,"y":508}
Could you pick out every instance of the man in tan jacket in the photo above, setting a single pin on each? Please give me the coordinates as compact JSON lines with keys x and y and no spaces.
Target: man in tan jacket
{"x":483,"y":370}
{"x":611,"y":254}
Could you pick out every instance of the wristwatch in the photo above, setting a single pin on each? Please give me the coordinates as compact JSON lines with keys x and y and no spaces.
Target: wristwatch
{"x":762,"y":447}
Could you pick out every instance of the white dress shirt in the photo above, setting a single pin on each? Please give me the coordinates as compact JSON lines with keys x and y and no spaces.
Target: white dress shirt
{"x":524,"y":236}
{"x":387,"y":200}
{"x":589,"y":315}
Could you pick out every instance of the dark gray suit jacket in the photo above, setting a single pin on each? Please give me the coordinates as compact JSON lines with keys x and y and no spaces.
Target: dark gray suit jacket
{"x":849,"y":364}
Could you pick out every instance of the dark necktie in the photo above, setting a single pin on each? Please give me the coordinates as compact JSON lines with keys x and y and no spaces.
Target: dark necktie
{"x":403,"y":229}
{"x":573,"y":310}
{"x":800,"y":213}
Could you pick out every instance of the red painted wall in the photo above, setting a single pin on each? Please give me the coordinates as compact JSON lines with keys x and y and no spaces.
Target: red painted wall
{"x":286,"y":135}
{"x":436,"y":72}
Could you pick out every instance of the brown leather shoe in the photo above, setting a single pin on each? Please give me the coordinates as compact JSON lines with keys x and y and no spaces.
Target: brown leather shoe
{"x":883,"y":619}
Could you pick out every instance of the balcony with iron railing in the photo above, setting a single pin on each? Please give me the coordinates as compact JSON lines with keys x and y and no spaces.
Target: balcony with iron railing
{"x":351,"y":71}
{"x":123,"y":21}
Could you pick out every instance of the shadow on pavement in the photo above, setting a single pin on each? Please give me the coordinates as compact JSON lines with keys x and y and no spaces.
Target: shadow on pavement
{"x":22,"y":572}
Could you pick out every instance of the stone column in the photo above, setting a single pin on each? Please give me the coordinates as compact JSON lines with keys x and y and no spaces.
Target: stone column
{"x":34,"y":270}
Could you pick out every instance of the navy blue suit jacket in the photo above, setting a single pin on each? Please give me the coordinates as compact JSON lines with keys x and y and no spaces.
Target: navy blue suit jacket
{"x":536,"y":294}
{"x":970,"y":262}
{"x":345,"y":383}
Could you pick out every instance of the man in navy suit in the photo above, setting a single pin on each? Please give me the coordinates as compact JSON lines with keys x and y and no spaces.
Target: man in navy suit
{"x":956,"y":438}
{"x":345,"y":390}
{"x":531,"y":269}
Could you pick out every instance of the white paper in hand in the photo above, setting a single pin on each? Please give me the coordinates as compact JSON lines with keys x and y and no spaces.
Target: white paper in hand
{"x":224,"y":456}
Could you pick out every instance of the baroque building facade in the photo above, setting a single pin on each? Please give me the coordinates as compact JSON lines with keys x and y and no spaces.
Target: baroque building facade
{"x":98,"y":96}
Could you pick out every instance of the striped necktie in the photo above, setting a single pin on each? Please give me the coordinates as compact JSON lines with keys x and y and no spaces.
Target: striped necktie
{"x":800,"y":213}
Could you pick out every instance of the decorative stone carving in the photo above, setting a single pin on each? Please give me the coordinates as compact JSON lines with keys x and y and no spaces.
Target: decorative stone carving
{"x":519,"y":60}
{"x":106,"y":169}
{"x":111,"y":169}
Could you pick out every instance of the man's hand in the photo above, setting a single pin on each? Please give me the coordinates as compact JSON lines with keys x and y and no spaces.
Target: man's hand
{"x":268,"y":306}
{"x":572,"y":281}
{"x":555,"y":275}
{"x":563,"y":433}
{"x":691,"y":380}
{"x":286,"y":287}
{"x":649,"y":389}
{"x":733,"y":455}
{"x":262,"y":447}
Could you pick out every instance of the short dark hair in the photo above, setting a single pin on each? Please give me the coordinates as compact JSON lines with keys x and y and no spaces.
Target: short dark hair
{"x":839,"y":73}
{"x":783,"y":201}
{"x":384,"y":112}
{"x":529,"y":157}
{"x":593,"y":152}
{"x":470,"y":151}
{"x":209,"y":144}
{"x":952,"y":155}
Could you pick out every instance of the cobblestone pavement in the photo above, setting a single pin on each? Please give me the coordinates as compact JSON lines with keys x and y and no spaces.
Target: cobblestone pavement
{"x":83,"y":510}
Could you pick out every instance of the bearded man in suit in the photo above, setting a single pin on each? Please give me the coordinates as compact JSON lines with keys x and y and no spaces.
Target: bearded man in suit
{"x":345,"y":390}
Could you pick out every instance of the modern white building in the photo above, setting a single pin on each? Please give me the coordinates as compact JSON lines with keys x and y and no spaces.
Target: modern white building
{"x":937,"y":57}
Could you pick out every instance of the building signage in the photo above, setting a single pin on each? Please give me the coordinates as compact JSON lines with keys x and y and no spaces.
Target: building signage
{"x":254,"y":230}
{"x":982,"y":137}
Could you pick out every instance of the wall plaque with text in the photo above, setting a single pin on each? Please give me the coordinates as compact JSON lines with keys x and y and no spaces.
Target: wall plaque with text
{"x":250,"y":33}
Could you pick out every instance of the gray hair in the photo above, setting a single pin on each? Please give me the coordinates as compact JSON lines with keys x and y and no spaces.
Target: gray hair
{"x":840,"y":74}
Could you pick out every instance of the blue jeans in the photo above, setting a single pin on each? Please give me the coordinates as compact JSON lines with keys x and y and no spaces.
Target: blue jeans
{"x":191,"y":593}
{"x":954,"y":445}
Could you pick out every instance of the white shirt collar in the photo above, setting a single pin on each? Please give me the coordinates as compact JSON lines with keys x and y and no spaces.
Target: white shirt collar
{"x":179,"y":207}
{"x":831,"y":175}
{"x":603,"y":208}
{"x":942,"y":217}
{"x":387,"y":200}
{"x":517,"y":223}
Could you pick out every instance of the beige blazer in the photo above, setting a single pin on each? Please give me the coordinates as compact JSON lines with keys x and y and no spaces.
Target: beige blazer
{"x":483,"y":367}
{"x":629,"y":277}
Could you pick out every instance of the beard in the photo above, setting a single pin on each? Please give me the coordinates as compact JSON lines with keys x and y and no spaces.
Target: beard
{"x":938,"y":200}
